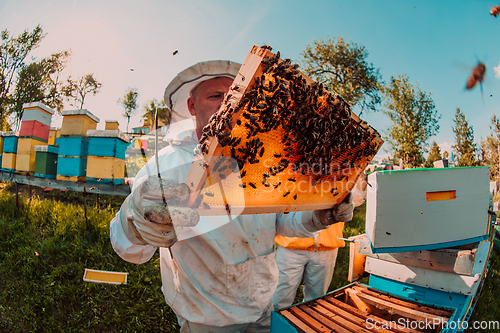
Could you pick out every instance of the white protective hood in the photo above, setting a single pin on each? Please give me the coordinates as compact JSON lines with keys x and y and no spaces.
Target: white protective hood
{"x":177,"y":93}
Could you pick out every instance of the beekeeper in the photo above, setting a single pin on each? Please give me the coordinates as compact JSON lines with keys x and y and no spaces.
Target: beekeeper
{"x":220,"y":279}
{"x":311,"y":259}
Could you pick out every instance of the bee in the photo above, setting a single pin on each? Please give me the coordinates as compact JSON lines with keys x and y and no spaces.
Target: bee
{"x":177,"y":51}
{"x":266,"y":47}
{"x":206,"y":205}
{"x":495,"y":11}
{"x":476,"y":76}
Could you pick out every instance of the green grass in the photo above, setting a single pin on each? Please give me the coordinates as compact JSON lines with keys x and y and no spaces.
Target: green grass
{"x":46,"y":244}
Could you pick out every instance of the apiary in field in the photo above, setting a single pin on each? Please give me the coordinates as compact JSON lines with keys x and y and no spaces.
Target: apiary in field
{"x":73,"y":144}
{"x":424,"y":209}
{"x":280,"y":142}
{"x":106,"y":156}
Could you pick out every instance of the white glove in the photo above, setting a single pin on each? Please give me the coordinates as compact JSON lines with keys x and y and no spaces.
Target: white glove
{"x":150,"y":219}
{"x":343,"y":212}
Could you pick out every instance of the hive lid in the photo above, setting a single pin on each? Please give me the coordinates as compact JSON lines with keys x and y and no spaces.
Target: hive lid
{"x":280,"y":142}
{"x":108,"y":134}
{"x":80,"y":112}
{"x":39,"y":105}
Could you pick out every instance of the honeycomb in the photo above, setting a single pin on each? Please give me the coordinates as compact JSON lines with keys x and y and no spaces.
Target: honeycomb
{"x":280,"y":142}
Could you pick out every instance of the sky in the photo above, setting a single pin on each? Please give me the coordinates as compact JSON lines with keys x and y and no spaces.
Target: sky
{"x":130,"y":44}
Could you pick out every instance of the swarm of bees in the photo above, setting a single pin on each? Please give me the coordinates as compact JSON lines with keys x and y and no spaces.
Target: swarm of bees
{"x":293,"y":122}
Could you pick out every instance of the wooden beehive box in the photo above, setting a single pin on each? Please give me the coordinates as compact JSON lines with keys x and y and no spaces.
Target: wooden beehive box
{"x":25,"y":161}
{"x":111,"y":125}
{"x":37,"y":112}
{"x":280,"y":142}
{"x":77,"y":122}
{"x":9,"y":162}
{"x":46,"y":161}
{"x":71,"y":168}
{"x":106,"y":156}
{"x":10,"y":140}
{"x":107,"y":143}
{"x":54,"y":133}
{"x":359,"y":308}
{"x":425,"y":209}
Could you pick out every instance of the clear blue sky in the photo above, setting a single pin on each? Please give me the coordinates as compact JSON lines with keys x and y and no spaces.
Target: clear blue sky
{"x":436,"y":43}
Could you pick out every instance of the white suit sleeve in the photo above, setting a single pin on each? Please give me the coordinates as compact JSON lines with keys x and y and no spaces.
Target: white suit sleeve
{"x":124,"y":241}
{"x":298,"y":224}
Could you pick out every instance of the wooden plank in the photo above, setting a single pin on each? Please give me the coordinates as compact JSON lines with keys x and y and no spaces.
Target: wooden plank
{"x":356,"y":260}
{"x":353,"y":298}
{"x":330,"y":311}
{"x":310,"y":321}
{"x":71,"y":178}
{"x":393,"y":299}
{"x":398,"y":309}
{"x":444,"y":281}
{"x":121,"y":190}
{"x":296,"y":321}
{"x":453,"y":260}
{"x":332,"y":320}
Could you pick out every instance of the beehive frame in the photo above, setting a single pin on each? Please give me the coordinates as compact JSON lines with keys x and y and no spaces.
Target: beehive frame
{"x":271,"y":180}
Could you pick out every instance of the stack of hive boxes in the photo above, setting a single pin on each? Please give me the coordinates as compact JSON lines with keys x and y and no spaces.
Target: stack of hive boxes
{"x":9,"y":151}
{"x":106,"y":155}
{"x":53,"y":135}
{"x":35,"y":128}
{"x":46,"y":156}
{"x":73,"y":144}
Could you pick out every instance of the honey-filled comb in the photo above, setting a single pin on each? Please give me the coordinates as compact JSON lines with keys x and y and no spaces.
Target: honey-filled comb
{"x":280,"y":142}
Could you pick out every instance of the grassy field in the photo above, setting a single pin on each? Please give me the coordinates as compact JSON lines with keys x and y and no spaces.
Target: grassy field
{"x":46,"y":243}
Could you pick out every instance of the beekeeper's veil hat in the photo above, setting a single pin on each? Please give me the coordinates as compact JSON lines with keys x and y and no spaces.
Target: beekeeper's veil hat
{"x":177,"y":92}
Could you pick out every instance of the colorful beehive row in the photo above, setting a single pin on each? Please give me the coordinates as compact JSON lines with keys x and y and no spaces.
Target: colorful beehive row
{"x":35,"y":128}
{"x":106,"y":156}
{"x":9,"y":152}
{"x":73,"y":144}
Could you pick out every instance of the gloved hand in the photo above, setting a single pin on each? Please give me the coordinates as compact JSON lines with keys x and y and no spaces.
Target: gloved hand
{"x":341,"y":213}
{"x":153,"y":221}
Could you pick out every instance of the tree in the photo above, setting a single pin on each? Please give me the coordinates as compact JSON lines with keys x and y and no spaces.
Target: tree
{"x":150,"y":109}
{"x":129,"y":103}
{"x":490,"y":147}
{"x":39,"y":82}
{"x":434,"y":155}
{"x":341,"y":66}
{"x":414,"y":120}
{"x":464,"y":146}
{"x":13,"y":51}
{"x":77,"y":90}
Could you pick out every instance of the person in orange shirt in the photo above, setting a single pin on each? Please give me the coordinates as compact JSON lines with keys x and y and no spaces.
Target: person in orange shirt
{"x":313,"y":258}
